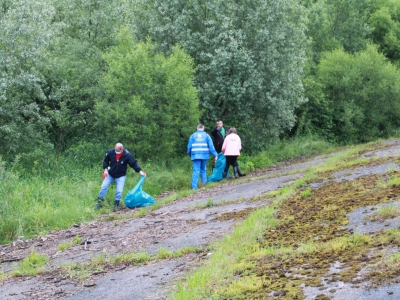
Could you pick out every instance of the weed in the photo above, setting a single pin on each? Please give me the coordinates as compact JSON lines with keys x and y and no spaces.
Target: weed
{"x":3,"y":275}
{"x":78,"y":271}
{"x":164,"y":253}
{"x":64,"y":246}
{"x":186,"y":250}
{"x":131,"y":258}
{"x":393,"y":181}
{"x":381,"y":184}
{"x":391,"y":236}
{"x":96,"y":261}
{"x":306,"y":193}
{"x":393,"y":261}
{"x":307,"y":248}
{"x":67,"y":245}
{"x":359,"y":239}
{"x":210,"y":203}
{"x":387,"y":212}
{"x":78,"y":240}
{"x":31,"y":265}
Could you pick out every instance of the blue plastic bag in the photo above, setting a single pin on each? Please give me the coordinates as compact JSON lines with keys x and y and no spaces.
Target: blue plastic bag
{"x":136,"y":197}
{"x":219,"y":168}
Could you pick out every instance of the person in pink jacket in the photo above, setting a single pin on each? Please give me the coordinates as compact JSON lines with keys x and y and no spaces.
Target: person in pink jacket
{"x":231,"y":149}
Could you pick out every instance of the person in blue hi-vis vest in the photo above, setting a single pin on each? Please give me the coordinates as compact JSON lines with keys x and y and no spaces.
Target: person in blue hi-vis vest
{"x":199,"y":147}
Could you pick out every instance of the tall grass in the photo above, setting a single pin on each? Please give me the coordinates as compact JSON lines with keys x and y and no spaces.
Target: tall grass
{"x":299,"y":145}
{"x":284,"y":149}
{"x":57,"y":196}
{"x":31,"y":206}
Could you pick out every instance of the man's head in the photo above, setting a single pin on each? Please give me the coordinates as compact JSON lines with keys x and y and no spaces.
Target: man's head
{"x":219,"y":123}
{"x":200,"y":127}
{"x":119,"y":148}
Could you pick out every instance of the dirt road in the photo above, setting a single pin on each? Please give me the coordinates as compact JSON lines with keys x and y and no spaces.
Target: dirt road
{"x":194,"y":221}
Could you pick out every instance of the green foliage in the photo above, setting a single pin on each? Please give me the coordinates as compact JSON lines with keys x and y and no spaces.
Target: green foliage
{"x":37,"y":204}
{"x":70,"y":100}
{"x":249,"y":57}
{"x":58,"y":98}
{"x":385,"y":22}
{"x":69,"y":244}
{"x":90,"y":22}
{"x":25,"y":34}
{"x":163,"y":253}
{"x":338,"y":23}
{"x":261,"y":160}
{"x":315,"y":117}
{"x":31,"y":265}
{"x":46,"y":96}
{"x":152,"y":106}
{"x":306,"y":193}
{"x":363,"y":90}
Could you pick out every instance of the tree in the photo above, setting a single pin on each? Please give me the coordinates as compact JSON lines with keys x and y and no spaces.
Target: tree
{"x":335,"y":24}
{"x":25,"y":34}
{"x":385,"y":22}
{"x":363,"y":92}
{"x":151,"y":105}
{"x":249,"y":57}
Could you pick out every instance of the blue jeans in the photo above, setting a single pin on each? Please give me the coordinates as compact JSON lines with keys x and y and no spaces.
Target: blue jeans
{"x":199,"y":166}
{"x":106,"y":184}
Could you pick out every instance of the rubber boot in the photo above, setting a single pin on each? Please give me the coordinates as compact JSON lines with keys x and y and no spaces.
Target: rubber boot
{"x":240,"y":172}
{"x":99,"y":203}
{"x":235,"y":172}
{"x":116,"y":205}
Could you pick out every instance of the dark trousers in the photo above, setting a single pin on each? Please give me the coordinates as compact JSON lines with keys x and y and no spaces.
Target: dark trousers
{"x":230,"y":161}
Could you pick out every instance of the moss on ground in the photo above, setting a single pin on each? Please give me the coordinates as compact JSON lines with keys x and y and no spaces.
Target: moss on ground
{"x":311,"y":238}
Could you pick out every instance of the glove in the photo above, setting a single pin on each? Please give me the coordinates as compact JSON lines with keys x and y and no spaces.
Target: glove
{"x":105,"y":174}
{"x":143,"y":173}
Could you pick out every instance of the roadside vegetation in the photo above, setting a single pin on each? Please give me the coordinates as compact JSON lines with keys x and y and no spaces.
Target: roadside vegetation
{"x":65,"y":195}
{"x":31,"y":265}
{"x":83,"y":271}
{"x":295,"y":240}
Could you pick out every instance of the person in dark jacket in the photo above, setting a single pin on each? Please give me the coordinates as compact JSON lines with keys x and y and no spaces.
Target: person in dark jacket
{"x":219,"y":134}
{"x":115,"y":164}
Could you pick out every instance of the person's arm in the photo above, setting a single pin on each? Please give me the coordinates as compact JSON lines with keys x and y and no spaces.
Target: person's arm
{"x":211,"y":146}
{"x":223,"y":146}
{"x":133,"y":163}
{"x":106,"y":161}
{"x":189,"y":147}
{"x":105,"y":165}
